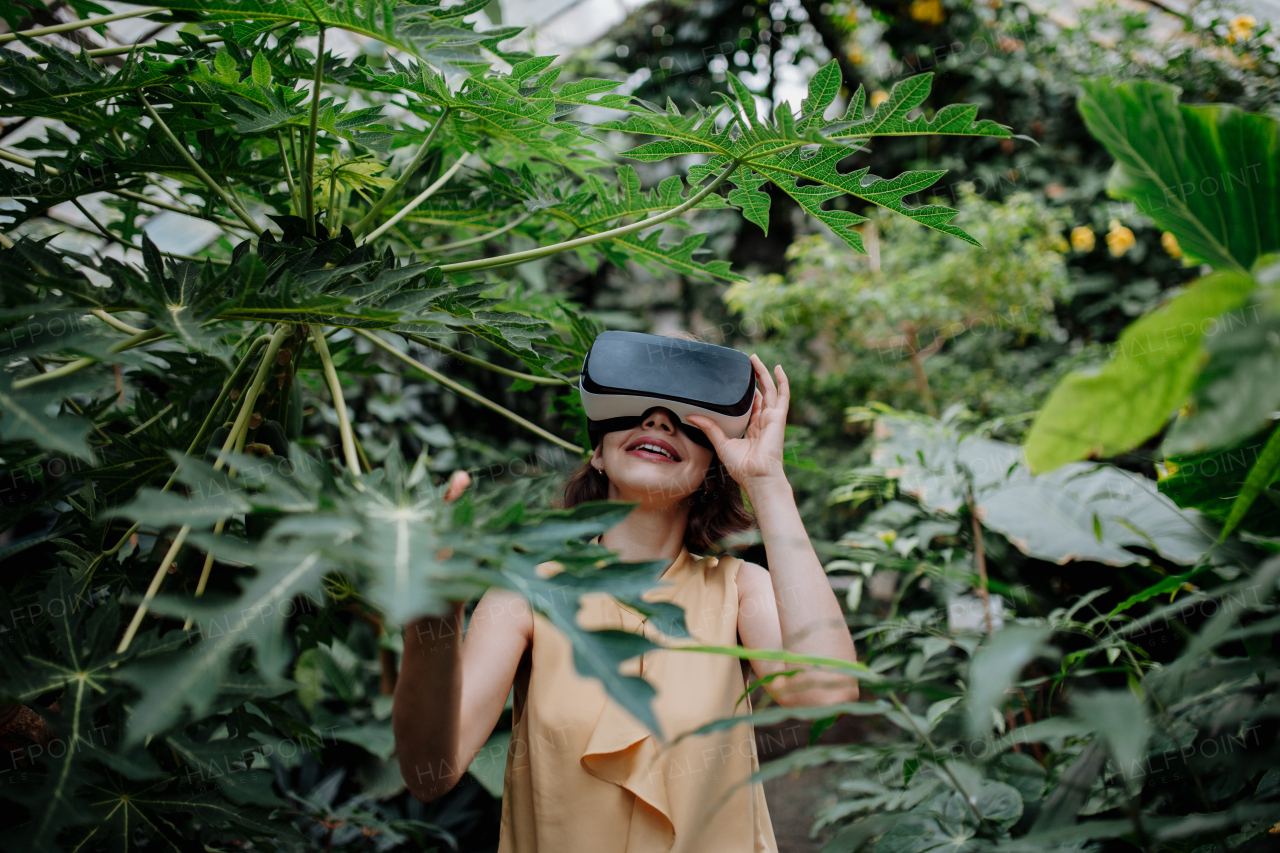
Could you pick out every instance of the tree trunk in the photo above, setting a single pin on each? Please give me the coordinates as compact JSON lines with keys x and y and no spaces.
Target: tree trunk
{"x":917,"y":367}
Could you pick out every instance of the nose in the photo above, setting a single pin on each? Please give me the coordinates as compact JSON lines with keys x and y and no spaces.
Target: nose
{"x":660,"y":419}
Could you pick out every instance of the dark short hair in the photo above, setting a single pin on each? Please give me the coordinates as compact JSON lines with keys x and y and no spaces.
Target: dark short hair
{"x":716,"y":510}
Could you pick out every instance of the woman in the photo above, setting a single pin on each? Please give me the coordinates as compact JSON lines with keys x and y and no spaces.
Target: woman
{"x":582,"y":774}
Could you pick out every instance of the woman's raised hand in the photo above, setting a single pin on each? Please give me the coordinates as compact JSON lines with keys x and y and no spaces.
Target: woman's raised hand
{"x":757,"y":456}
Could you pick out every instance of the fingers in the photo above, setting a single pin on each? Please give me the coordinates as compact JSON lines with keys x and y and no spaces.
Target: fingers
{"x":711,"y":428}
{"x":784,"y":384}
{"x":765,"y":380}
{"x":458,"y":483}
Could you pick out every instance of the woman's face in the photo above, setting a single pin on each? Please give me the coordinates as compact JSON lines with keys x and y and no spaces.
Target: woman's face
{"x":654,"y":463}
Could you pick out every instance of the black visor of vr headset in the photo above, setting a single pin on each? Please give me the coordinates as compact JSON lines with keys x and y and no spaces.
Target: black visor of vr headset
{"x":626,"y":375}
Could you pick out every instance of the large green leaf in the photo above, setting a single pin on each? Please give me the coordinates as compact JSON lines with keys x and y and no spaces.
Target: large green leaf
{"x":1208,"y":174}
{"x":427,"y":29}
{"x":1152,"y":370}
{"x":1238,"y":390}
{"x":800,"y":154}
{"x":1081,"y":511}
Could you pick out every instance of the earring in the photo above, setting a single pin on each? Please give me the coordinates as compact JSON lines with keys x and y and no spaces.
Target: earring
{"x":599,"y":471}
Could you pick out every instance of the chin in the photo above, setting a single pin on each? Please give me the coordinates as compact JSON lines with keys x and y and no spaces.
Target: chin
{"x":646,"y":482}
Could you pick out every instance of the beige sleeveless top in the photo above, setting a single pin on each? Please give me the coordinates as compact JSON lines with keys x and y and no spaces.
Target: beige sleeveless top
{"x":584,"y":776}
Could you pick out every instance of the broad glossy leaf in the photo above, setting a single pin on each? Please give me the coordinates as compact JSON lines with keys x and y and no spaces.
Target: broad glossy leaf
{"x":1238,"y":388}
{"x":1081,"y":511}
{"x":1153,"y":368}
{"x":1208,"y":174}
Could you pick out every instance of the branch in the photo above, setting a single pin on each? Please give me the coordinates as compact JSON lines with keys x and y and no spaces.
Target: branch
{"x":613,"y":233}
{"x":472,"y":395}
{"x":129,"y":194}
{"x":310,"y":201}
{"x":449,"y":247}
{"x":423,"y":196}
{"x":115,"y":238}
{"x":250,"y":397}
{"x":199,"y":170}
{"x":164,"y":205}
{"x":288,"y":173}
{"x":479,"y":362}
{"x":81,"y":24}
{"x":339,"y":402}
{"x":153,"y":588}
{"x":195,"y":443}
{"x":81,"y":363}
{"x":408,"y":172}
{"x":129,"y":48}
{"x":114,"y":323}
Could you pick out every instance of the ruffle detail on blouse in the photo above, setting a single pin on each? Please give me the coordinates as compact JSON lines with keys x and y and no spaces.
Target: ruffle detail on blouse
{"x":622,"y":751}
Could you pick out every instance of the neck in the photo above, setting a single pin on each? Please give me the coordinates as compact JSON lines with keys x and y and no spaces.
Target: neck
{"x":649,"y":533}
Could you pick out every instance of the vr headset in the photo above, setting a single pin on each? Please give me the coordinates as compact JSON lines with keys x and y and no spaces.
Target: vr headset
{"x":626,"y":375}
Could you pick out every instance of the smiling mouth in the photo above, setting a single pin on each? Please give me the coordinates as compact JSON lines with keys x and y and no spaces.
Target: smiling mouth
{"x":656,"y":448}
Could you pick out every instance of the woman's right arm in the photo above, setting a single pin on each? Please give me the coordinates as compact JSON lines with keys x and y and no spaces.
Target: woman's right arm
{"x":451,"y":690}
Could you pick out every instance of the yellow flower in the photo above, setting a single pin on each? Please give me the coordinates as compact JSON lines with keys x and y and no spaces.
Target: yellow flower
{"x":888,"y":537}
{"x":1059,"y":244}
{"x":1119,"y":239}
{"x":878,"y":97}
{"x":1241,"y":27}
{"x":855,"y":54}
{"x":1170,"y":244}
{"x":928,"y":12}
{"x":1082,"y":238}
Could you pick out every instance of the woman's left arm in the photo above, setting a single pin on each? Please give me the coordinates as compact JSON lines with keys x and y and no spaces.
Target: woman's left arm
{"x":791,"y":606}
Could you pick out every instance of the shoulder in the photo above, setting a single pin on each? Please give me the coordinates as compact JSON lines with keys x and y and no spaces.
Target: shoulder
{"x":505,"y":611}
{"x":753,"y":580}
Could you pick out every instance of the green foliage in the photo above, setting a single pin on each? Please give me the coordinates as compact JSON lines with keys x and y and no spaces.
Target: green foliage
{"x":213,"y":545}
{"x":922,"y":286}
{"x":1154,"y":367}
{"x":1162,"y":360}
{"x":1212,"y":168}
{"x":1069,"y":723}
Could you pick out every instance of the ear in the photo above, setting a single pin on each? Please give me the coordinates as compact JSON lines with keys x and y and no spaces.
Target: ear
{"x":597,"y":456}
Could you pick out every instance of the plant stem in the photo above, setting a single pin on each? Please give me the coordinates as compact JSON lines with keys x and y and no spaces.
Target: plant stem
{"x":479,"y":362}
{"x":421,"y":197}
{"x":116,"y":324}
{"x":195,"y":443}
{"x":449,"y":247}
{"x":81,"y":363}
{"x":288,"y":173}
{"x":164,"y":205}
{"x":613,"y":233}
{"x":339,"y":402}
{"x":378,"y":206}
{"x":127,"y":48}
{"x":153,"y":588}
{"x":310,"y":201}
{"x":199,"y":170}
{"x":129,"y":194}
{"x":157,"y":416}
{"x":241,"y":426}
{"x":472,"y":395}
{"x":332,"y":211}
{"x":970,"y":800}
{"x":115,"y":238}
{"x":980,"y":560}
{"x":81,"y":24}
